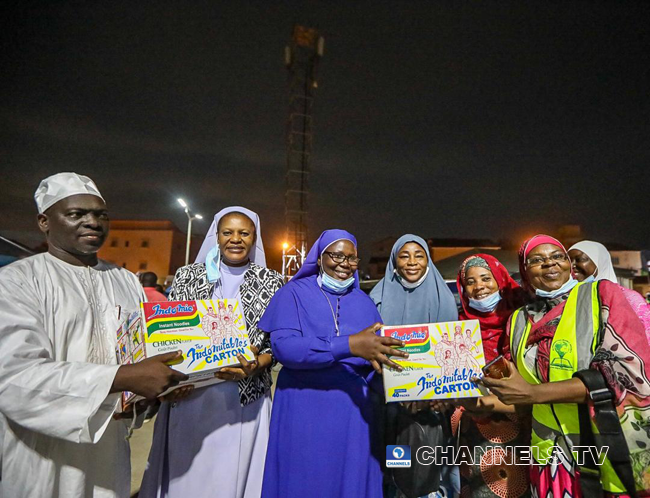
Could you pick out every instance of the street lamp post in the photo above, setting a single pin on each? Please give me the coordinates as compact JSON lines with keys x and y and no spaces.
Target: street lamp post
{"x":190,"y":217}
{"x":285,"y":246}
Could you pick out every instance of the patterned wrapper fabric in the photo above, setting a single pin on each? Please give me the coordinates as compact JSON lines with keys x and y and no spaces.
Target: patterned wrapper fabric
{"x":622,"y":356}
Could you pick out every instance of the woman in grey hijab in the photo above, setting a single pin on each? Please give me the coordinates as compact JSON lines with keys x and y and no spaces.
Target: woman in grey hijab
{"x":412,"y":292}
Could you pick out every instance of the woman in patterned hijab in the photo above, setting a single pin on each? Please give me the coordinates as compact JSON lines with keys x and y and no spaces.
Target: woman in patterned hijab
{"x":490,"y":295}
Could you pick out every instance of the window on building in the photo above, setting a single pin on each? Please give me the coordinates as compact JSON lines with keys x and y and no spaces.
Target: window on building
{"x":143,"y":265}
{"x":145,"y":243}
{"x":114,"y":242}
{"x":126,"y":243}
{"x":615,"y":261}
{"x":123,"y":265}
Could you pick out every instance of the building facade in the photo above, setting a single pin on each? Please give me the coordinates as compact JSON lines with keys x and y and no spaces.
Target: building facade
{"x":148,"y":245}
{"x":628,"y":260}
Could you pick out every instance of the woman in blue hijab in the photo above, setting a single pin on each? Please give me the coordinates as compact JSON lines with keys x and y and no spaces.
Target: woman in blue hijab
{"x":323,"y":331}
{"x":412,"y":292}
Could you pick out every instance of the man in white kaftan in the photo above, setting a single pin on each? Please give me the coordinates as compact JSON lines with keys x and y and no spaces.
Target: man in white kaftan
{"x":58,"y":362}
{"x":59,"y":379}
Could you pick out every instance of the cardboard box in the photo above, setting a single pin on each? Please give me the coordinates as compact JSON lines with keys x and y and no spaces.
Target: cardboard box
{"x":209,"y":333}
{"x":442,"y":358}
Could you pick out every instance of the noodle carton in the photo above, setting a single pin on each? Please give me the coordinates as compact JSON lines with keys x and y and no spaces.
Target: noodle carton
{"x":443,"y":357}
{"x":209,"y":333}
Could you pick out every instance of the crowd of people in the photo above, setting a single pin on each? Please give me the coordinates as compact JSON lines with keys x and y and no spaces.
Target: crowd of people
{"x":576,"y":345}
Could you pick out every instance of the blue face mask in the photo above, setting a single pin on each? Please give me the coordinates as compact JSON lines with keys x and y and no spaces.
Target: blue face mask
{"x":212,"y":262}
{"x":334,"y":285}
{"x":570,"y":284}
{"x":487,"y":304}
{"x":590,"y":278}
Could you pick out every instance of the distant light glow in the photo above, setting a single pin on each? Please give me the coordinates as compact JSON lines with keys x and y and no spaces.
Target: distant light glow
{"x":182,"y":202}
{"x":285,"y":245}
{"x":198,"y":216}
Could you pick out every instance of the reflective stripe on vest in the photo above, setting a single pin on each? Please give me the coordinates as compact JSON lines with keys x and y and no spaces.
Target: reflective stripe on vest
{"x":572,"y":349}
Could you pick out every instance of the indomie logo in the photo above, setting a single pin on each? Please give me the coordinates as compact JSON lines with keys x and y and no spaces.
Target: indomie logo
{"x":416,"y":338}
{"x":158,"y":310}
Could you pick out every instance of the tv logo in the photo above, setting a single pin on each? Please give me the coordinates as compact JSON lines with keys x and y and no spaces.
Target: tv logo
{"x":398,"y":455}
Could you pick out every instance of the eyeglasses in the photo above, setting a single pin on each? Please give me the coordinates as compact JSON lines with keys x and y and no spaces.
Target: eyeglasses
{"x":337,"y":257}
{"x":555,"y":258}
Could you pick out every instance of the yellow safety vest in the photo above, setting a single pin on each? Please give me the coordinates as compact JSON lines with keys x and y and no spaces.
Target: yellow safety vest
{"x":572,"y":349}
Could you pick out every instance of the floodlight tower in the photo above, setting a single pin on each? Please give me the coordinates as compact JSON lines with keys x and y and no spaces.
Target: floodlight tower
{"x":301,"y":58}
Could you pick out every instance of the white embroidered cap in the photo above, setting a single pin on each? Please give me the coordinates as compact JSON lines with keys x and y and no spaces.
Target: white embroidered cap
{"x":62,"y":185}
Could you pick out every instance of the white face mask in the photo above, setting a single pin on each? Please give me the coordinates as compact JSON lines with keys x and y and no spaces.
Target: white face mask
{"x":568,"y":285}
{"x":411,"y":285}
{"x":334,"y":285}
{"x":487,"y":304}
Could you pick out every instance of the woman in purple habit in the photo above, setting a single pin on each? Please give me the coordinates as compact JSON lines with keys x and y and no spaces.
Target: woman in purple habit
{"x":323,"y":425}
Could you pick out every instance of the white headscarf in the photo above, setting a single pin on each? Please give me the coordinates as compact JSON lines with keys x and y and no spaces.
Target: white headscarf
{"x":57,"y":187}
{"x":210,"y":253}
{"x":600,"y":256}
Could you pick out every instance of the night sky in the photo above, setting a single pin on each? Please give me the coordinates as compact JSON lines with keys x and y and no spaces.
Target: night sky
{"x":447,"y":119}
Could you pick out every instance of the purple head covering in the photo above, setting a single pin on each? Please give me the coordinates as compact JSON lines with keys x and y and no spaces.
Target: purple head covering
{"x":209,"y":252}
{"x":301,"y":306}
{"x":328,"y":237}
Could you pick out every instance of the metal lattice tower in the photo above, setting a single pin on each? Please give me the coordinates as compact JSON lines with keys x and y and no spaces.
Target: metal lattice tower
{"x":301,"y":58}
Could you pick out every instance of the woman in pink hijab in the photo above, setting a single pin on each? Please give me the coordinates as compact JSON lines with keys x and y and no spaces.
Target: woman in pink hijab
{"x":554,"y":344}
